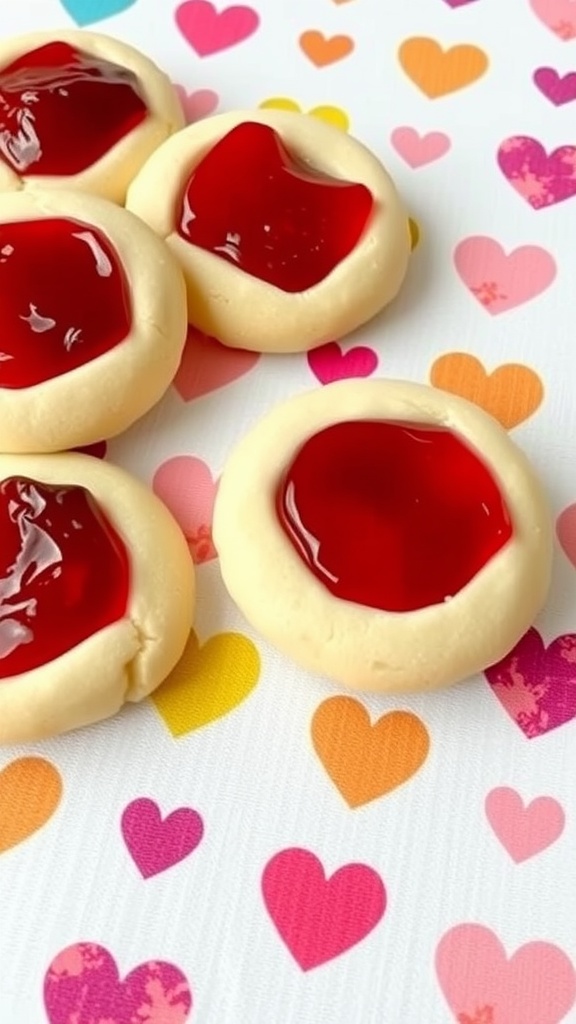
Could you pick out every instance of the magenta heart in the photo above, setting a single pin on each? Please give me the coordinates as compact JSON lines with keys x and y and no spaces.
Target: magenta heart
{"x":319,"y":918}
{"x":210,"y":31}
{"x":556,"y":88}
{"x":541,"y":179}
{"x":82,"y":986}
{"x":155,"y":843}
{"x":535,"y":684}
{"x":328,"y":363}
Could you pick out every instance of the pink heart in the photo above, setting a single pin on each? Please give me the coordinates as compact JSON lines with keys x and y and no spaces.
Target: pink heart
{"x":524,"y":831}
{"x":556,"y":88}
{"x":541,"y":179}
{"x":499,"y":281}
{"x":319,"y":918}
{"x":209,"y":31}
{"x":82,"y":986}
{"x":156,"y":844}
{"x":418,"y":150}
{"x":186,"y":486}
{"x":537,"y":985}
{"x":557,"y":15}
{"x":328,"y":363}
{"x":535,"y":684}
{"x":566,"y":530}
{"x":197,"y":105}
{"x":207,"y":365}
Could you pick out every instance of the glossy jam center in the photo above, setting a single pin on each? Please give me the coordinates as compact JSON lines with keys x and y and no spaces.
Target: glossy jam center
{"x":252,"y":203}
{"x":392,"y":515}
{"x":64,"y":572}
{"x":61,"y":110}
{"x":64,"y":299}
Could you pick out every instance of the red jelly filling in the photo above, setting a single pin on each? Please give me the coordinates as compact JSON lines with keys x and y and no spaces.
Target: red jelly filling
{"x":393,"y":516}
{"x":64,"y":572}
{"x":254,"y":204}
{"x":64,"y":299}
{"x":61,"y":110}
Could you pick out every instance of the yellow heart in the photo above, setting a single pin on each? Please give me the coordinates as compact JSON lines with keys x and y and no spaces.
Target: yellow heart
{"x":208,"y":682}
{"x":414,"y":229}
{"x":332,"y":115}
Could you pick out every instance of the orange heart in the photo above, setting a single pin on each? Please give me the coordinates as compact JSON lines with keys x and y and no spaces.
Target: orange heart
{"x":30,"y":791}
{"x":322,"y":50}
{"x":436,"y":71}
{"x":364,"y":760}
{"x":511,"y":393}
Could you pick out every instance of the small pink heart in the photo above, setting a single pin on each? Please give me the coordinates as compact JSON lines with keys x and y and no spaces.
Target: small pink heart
{"x":558,"y":15}
{"x":320,"y":918}
{"x":535,"y":684}
{"x":537,"y":985}
{"x":197,"y":105}
{"x":186,"y":486}
{"x":209,"y":31}
{"x":566,"y":530}
{"x":82,"y":986}
{"x":156,"y":844}
{"x":524,"y":831}
{"x":328,"y":363}
{"x":418,"y":150}
{"x":501,"y":281}
{"x":207,"y":365}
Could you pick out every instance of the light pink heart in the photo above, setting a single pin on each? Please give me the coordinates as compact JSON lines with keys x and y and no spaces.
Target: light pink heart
{"x":209,"y":31}
{"x":186,"y":486}
{"x":82,"y":986}
{"x":320,"y":918}
{"x":155,"y":843}
{"x":566,"y":530}
{"x":328,"y":363}
{"x":501,"y":281}
{"x":523,"y":830}
{"x":536,"y":684}
{"x":418,"y":150}
{"x":207,"y":365}
{"x":198,"y":104}
{"x":537,"y":985}
{"x":558,"y":15}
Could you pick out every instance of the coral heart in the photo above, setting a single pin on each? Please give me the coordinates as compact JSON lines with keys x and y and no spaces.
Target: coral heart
{"x":541,"y":179}
{"x":331,"y":115}
{"x":208,"y":682}
{"x":86,"y":12}
{"x":524,"y":831}
{"x":556,"y":88}
{"x":537,"y":985}
{"x":501,"y":281}
{"x":186,"y":486}
{"x":30,"y":791}
{"x":197,"y":105}
{"x":209,"y":31}
{"x":323,"y":50}
{"x":536,"y":684}
{"x":438,"y":72}
{"x":511,"y":393}
{"x":328,"y":363}
{"x":418,"y":150}
{"x":320,"y":918}
{"x":207,"y":365}
{"x":156,"y":844}
{"x":558,"y":15}
{"x":82,"y":985}
{"x":364,"y":760}
{"x":566,"y":530}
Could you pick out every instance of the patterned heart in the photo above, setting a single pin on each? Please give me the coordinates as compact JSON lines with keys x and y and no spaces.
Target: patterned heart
{"x":536,"y":684}
{"x":186,"y":486}
{"x":320,"y":918}
{"x":558,"y":15}
{"x":501,"y":281}
{"x":541,"y":179}
{"x":155,"y":843}
{"x":328,"y":363}
{"x":210,"y":31}
{"x":82,"y":986}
